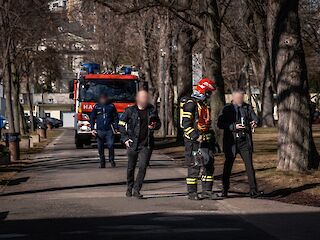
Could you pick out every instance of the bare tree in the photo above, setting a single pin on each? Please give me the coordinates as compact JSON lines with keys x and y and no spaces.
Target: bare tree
{"x":252,"y":42}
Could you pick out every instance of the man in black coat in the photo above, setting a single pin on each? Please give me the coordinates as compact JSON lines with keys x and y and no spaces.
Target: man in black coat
{"x":137,"y":125}
{"x":238,"y":119}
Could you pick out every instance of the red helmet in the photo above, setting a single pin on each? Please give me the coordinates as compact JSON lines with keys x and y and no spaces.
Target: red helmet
{"x":205,"y":85}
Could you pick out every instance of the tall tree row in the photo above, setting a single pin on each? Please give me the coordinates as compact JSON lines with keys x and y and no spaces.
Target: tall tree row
{"x":22,"y":25}
{"x":267,"y":33}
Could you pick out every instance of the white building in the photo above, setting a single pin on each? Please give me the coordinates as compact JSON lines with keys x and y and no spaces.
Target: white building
{"x":58,"y":5}
{"x":2,"y":101}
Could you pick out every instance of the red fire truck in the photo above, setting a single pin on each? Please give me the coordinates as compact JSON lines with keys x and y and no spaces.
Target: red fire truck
{"x":121,"y":89}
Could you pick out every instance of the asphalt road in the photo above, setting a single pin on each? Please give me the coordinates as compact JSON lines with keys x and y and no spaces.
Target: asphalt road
{"x":64,"y":195}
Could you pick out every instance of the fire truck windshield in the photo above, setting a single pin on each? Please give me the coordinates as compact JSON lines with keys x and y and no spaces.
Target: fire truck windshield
{"x":117,"y":90}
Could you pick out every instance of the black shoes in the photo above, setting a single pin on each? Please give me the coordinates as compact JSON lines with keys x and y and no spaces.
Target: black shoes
{"x":129,"y":193}
{"x":256,"y":194}
{"x":137,"y":195}
{"x":193,"y":196}
{"x":113,"y":164}
{"x":210,"y":196}
{"x":224,"y":193}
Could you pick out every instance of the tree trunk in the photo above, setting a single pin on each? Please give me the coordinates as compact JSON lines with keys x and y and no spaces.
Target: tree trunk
{"x":267,"y":104}
{"x":15,"y":100}
{"x":8,"y":94}
{"x":162,"y":74}
{"x":30,"y":104}
{"x":147,"y":68}
{"x":13,"y":145}
{"x":263,"y":70}
{"x":23,"y":123}
{"x":168,"y":83}
{"x":184,"y":69}
{"x":245,"y":77}
{"x":295,"y":131}
{"x":184,"y":62}
{"x":212,"y":57}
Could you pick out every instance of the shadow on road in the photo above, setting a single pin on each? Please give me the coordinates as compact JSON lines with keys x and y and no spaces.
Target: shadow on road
{"x":15,"y":181}
{"x":287,"y":191}
{"x":124,"y":183}
{"x":139,"y":226}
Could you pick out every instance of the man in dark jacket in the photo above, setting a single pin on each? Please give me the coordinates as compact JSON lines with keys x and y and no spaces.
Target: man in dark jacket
{"x":238,"y":119}
{"x":136,"y":125}
{"x":105,"y":115}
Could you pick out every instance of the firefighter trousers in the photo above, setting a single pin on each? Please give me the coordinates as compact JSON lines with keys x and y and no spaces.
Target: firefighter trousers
{"x":194,"y":168}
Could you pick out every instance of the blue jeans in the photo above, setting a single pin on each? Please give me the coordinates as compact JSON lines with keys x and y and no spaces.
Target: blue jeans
{"x":105,"y":138}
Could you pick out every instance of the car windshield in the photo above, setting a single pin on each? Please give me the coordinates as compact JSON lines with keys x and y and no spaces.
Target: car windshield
{"x":117,"y":90}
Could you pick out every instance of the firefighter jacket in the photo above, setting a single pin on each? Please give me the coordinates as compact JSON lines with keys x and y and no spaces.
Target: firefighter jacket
{"x":195,"y":119}
{"x":129,"y":125}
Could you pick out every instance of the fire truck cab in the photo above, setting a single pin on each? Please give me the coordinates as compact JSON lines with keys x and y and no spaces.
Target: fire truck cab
{"x":121,"y":90}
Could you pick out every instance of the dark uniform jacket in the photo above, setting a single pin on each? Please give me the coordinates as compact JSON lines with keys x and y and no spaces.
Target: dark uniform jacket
{"x":129,"y":125}
{"x":227,"y":121}
{"x":190,"y":119}
{"x":104,"y":115}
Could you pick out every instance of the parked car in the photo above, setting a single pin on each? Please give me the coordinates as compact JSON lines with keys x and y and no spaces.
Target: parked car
{"x":56,"y":123}
{"x":37,"y":122}
{"x":4,"y":124}
{"x":41,"y":123}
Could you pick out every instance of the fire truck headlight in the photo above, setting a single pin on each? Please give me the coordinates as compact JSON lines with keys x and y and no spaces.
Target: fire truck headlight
{"x":85,"y":116}
{"x":84,"y":126}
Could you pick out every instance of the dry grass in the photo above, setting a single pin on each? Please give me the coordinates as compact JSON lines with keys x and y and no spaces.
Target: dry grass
{"x":303,"y":188}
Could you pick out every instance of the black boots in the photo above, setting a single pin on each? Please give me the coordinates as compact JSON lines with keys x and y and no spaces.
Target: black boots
{"x":193,"y":196}
{"x":113,"y":164}
{"x":137,"y":195}
{"x":103,"y":164}
{"x":129,"y":193}
{"x":210,"y":195}
{"x":256,"y":194}
{"x":224,"y":193}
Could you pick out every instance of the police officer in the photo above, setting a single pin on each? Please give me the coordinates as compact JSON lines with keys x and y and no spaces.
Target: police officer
{"x":137,"y":125}
{"x":199,"y":139}
{"x":105,"y":115}
{"x":237,"y":119}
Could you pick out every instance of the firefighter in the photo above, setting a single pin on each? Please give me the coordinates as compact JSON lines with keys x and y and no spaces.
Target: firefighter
{"x":195,"y":120}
